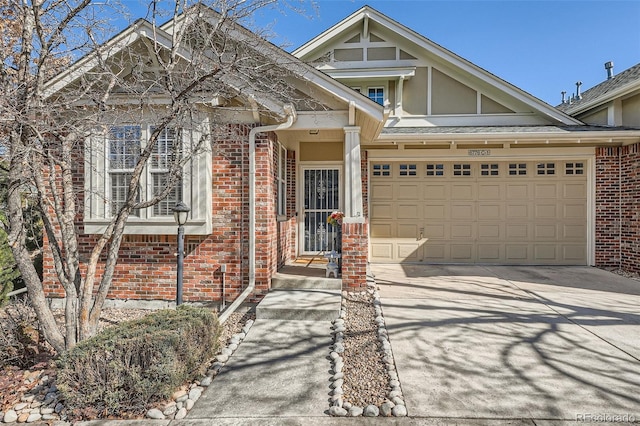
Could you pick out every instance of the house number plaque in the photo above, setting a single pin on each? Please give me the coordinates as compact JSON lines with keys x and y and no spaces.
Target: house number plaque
{"x":479,"y":152}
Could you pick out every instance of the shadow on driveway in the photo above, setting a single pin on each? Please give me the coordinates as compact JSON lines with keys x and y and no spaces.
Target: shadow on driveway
{"x":513,"y":342}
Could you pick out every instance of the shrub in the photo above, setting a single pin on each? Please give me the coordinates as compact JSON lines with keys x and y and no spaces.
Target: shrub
{"x":127,"y":368}
{"x":21,"y":342}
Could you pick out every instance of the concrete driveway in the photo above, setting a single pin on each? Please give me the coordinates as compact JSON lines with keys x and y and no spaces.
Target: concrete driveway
{"x":514,"y":342}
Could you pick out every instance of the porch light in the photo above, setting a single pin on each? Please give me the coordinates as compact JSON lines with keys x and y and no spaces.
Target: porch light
{"x":180,"y":214}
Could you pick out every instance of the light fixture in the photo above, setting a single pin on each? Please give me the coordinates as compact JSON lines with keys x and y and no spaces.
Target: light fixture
{"x":314,"y":131}
{"x":180,"y":214}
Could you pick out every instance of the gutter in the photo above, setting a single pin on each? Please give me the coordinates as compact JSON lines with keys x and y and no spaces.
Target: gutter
{"x":291,"y":118}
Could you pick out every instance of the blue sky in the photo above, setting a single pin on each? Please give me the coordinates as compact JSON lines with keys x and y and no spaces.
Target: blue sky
{"x":541,"y":46}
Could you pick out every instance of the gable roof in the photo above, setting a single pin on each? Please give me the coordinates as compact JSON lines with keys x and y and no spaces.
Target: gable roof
{"x":619,"y":85}
{"x":142,"y":28}
{"x":316,"y":45}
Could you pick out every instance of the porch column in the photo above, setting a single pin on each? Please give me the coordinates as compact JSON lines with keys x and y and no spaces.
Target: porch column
{"x":355,"y":232}
{"x":352,"y":175}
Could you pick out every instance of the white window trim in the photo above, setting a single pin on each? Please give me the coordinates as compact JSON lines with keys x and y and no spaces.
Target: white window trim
{"x":196,"y":190}
{"x":385,"y":94}
{"x":281,"y":182}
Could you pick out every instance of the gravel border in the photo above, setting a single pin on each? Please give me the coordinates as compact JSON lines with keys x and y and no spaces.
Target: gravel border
{"x":394,"y":404}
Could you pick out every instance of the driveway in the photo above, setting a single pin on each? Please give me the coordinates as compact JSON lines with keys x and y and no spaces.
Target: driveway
{"x":514,"y":342}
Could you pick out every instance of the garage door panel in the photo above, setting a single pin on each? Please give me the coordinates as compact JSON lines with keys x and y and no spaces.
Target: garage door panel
{"x":490,"y":211}
{"x":516,"y":252}
{"x":518,"y":191}
{"x":462,"y":191}
{"x":406,"y":191}
{"x":517,"y":231}
{"x":460,"y":211}
{"x":491,"y":231}
{"x":381,"y":211}
{"x":517,"y":211}
{"x":546,"y":211}
{"x":545,"y":231}
{"x":464,"y":231}
{"x":436,"y":191}
{"x":381,"y":191}
{"x":532,"y":213}
{"x":545,"y":252}
{"x":574,"y":190}
{"x":462,"y":252}
{"x":546,"y":190}
{"x":409,"y":211}
{"x":408,"y":230}
{"x":408,"y":251}
{"x":489,"y":253}
{"x":382,"y":251}
{"x":435,"y":230}
{"x":436,"y":211}
{"x":490,"y":191}
{"x":381,"y":230}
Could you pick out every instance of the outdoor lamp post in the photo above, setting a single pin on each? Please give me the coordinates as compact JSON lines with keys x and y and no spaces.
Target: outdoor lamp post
{"x":180,"y":214}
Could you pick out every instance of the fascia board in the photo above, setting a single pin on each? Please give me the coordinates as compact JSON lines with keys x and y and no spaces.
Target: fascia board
{"x":139,"y":29}
{"x":600,"y":135}
{"x":351,"y":73}
{"x":330,"y":33}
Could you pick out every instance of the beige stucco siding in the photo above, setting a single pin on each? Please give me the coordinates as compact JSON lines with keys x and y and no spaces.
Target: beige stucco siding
{"x":414,"y":94}
{"x":449,"y":96}
{"x":631,"y":111}
{"x":489,"y":106}
{"x":599,"y":118}
{"x":321,"y":151}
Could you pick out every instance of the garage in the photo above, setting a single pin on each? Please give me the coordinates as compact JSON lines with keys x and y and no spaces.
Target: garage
{"x":484,"y":211}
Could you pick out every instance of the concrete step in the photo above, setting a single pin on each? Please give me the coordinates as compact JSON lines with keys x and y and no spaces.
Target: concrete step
{"x":300,"y":305}
{"x":304,"y":277}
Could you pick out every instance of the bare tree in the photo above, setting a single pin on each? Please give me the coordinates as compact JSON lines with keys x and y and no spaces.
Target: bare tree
{"x":56,"y":115}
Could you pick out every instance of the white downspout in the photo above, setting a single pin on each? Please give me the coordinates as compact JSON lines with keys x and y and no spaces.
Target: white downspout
{"x":291,"y":118}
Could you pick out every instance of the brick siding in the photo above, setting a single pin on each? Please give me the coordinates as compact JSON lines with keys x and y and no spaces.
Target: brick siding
{"x":146,"y":268}
{"x":618,"y":207}
{"x":355,"y":245}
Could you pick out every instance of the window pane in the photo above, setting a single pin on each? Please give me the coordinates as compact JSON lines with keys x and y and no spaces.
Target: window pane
{"x":376,"y":94}
{"x":124,"y":147}
{"x":165,"y":207}
{"x":119,"y":190}
{"x":163,"y":154}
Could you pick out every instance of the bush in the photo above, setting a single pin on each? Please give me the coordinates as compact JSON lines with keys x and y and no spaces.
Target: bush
{"x":21,"y":342}
{"x":127,"y":368}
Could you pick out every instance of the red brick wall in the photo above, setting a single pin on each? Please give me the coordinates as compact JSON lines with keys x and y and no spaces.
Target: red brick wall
{"x":364,"y":170}
{"x":354,"y":255}
{"x":618,"y":207}
{"x":146,"y":268}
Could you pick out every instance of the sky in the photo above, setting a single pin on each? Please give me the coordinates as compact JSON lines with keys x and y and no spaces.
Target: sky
{"x":541,"y":46}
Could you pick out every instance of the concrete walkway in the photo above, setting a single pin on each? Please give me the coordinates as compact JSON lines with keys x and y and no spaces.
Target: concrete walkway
{"x":280,"y":369}
{"x":558,"y":343}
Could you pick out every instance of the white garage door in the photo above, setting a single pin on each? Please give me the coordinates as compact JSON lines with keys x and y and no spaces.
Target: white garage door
{"x":503,"y":212}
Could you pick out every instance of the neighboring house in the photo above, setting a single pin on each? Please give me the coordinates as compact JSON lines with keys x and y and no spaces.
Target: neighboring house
{"x":432,"y":159}
{"x":614,"y":103}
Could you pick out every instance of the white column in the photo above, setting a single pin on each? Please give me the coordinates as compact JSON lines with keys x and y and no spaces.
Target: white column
{"x":352,"y":175}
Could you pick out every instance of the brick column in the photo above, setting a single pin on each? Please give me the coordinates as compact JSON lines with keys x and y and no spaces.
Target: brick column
{"x":355,"y":247}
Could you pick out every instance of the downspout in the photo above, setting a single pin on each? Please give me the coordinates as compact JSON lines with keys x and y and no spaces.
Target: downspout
{"x":291,"y":118}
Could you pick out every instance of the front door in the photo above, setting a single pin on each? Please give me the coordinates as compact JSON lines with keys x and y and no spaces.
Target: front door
{"x":321,"y":197}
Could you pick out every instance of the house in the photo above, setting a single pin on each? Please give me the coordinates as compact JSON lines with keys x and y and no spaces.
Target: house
{"x":431,"y":158}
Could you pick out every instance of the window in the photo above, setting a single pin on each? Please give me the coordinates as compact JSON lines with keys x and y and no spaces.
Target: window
{"x":376,"y":94}
{"x":574,"y":168}
{"x":408,"y":170}
{"x":462,"y":169}
{"x":435,"y":169}
{"x":357,"y":89}
{"x":489,"y":169}
{"x":517,"y":169}
{"x":124,"y":150}
{"x":546,"y":168}
{"x":110,"y":159}
{"x":165,"y":153}
{"x":382,"y":169}
{"x":281,"y":179}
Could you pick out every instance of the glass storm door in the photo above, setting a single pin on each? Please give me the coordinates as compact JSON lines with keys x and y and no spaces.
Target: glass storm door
{"x":321,"y":198}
